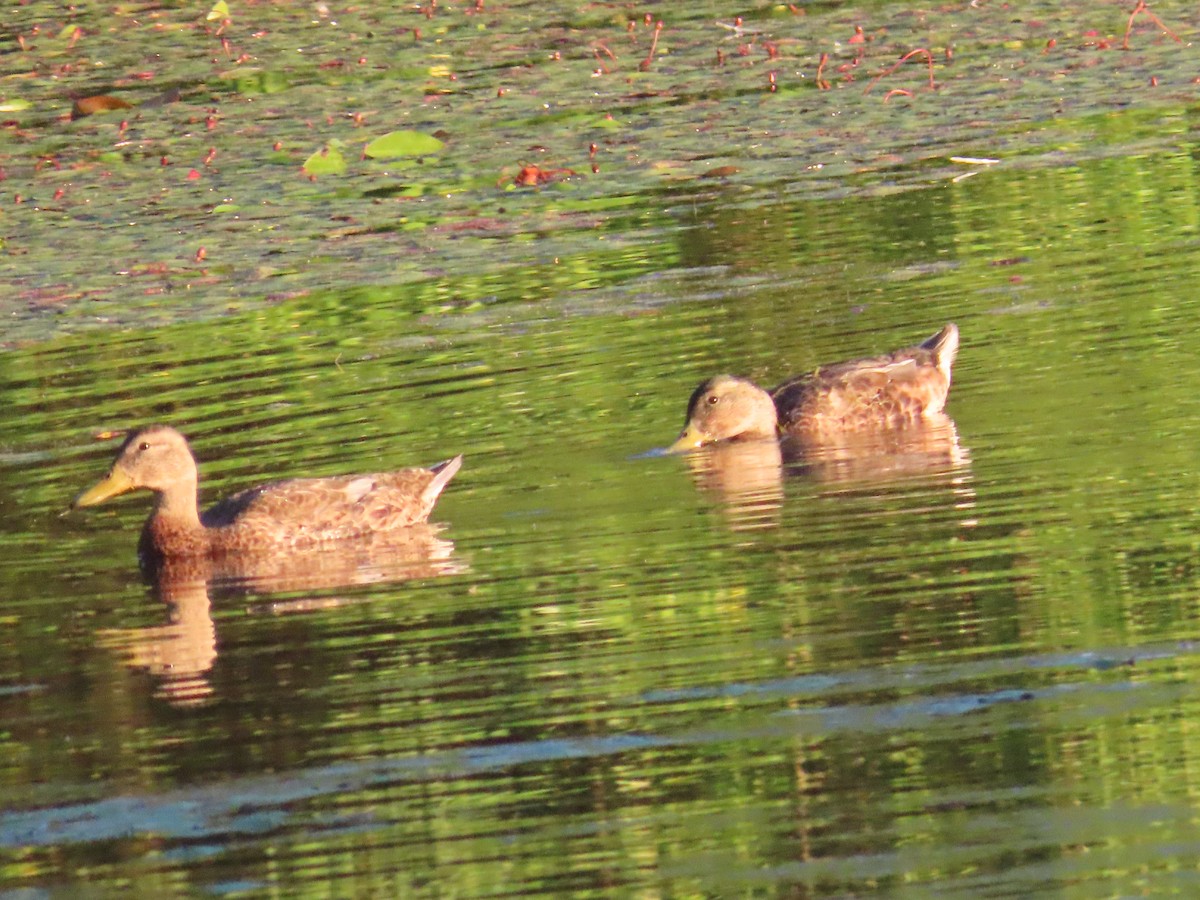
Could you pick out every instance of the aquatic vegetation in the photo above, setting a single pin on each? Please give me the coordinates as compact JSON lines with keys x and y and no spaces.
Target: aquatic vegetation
{"x":264,"y":113}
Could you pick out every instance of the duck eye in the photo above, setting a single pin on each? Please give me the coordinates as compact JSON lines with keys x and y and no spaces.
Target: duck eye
{"x":712,"y":399}
{"x":144,"y":445}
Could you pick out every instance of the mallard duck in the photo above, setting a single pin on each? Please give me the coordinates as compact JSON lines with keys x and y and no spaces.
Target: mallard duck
{"x":883,"y":391}
{"x":285,"y":515}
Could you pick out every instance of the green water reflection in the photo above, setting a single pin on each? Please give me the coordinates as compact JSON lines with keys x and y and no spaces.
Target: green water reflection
{"x":947,"y":679}
{"x":967,"y":676}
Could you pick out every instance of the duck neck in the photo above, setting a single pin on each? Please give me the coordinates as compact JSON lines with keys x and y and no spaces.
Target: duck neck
{"x":763,"y":422}
{"x":175,"y":523}
{"x":761,"y":428}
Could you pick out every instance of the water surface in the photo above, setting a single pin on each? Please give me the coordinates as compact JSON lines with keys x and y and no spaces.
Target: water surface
{"x":956,"y":670}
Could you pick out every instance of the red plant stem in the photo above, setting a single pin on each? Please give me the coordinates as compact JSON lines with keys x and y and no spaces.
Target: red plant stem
{"x":822,"y":84}
{"x":653,"y":45}
{"x":896,"y":92}
{"x":1144,"y":9}
{"x":905,"y":58}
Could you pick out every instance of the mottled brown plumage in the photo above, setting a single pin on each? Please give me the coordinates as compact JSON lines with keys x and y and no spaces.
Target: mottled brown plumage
{"x":884,"y":391}
{"x":284,"y":516}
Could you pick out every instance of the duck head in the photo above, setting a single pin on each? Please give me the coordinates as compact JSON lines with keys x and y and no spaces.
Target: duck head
{"x":726,"y":408}
{"x":156,"y":458}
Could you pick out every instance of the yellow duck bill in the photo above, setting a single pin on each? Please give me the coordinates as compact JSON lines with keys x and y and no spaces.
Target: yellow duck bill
{"x":116,"y":483}
{"x":690,"y":439}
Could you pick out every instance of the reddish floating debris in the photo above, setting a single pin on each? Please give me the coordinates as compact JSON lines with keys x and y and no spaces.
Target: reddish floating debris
{"x":531,"y":176}
{"x":89,"y":106}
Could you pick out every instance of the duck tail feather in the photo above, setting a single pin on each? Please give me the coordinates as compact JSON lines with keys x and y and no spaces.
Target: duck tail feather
{"x":944,"y":347}
{"x":443,"y":472}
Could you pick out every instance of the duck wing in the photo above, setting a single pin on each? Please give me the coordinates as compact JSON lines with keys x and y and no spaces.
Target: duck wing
{"x":884,"y":390}
{"x":306,"y":511}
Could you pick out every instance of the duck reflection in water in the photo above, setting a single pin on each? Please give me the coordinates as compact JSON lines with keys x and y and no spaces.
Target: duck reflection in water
{"x":297,"y":535}
{"x":180,"y":653}
{"x":862,"y":419}
{"x":746,"y":474}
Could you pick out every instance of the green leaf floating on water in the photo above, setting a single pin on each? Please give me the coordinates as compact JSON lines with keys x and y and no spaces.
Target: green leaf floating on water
{"x":403,"y":143}
{"x":329,"y":160}
{"x":271,"y":82}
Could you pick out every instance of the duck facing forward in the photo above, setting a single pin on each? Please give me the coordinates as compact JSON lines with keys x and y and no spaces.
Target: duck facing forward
{"x":298,"y":514}
{"x":889,"y":391}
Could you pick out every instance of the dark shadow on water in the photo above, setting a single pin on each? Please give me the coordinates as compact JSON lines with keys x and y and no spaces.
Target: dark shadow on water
{"x":180,"y":653}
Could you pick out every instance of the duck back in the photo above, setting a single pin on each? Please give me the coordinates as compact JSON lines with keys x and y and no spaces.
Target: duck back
{"x":891,"y":390}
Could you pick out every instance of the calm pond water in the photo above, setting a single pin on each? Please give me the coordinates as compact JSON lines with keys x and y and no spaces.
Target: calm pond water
{"x":960,"y":667}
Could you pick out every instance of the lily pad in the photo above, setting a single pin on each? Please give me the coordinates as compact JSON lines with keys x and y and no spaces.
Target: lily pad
{"x":263,"y":82}
{"x":403,"y":143}
{"x":329,"y":160}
